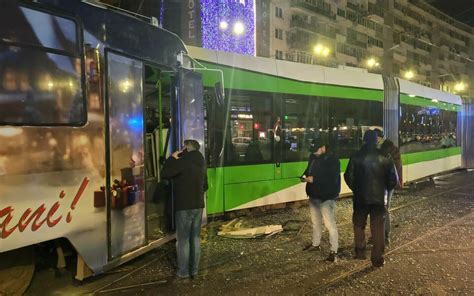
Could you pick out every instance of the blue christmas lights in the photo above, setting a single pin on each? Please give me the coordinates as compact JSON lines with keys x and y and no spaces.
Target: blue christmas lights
{"x":232,"y":12}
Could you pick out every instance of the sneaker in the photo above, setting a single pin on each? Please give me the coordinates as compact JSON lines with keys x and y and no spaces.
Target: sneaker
{"x":378,"y":263}
{"x":179,"y":280}
{"x":332,"y":257}
{"x":310,"y":247}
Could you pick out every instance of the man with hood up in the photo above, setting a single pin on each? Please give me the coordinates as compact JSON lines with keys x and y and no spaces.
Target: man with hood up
{"x":187,"y":169}
{"x":370,"y":174}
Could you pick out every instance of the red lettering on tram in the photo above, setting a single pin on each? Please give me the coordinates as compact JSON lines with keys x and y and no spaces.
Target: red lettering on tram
{"x":36,"y":216}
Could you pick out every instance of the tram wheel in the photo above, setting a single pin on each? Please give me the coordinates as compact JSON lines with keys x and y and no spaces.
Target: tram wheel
{"x":16,"y":271}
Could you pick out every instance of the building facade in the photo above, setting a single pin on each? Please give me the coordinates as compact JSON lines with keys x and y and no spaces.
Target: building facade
{"x":404,"y":38}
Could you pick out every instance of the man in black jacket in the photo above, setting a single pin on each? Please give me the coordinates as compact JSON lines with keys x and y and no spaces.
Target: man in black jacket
{"x":370,"y":174}
{"x":188,"y":172}
{"x":388,"y":148}
{"x":323,"y":184}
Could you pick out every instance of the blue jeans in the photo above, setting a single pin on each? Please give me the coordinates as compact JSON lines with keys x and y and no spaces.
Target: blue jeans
{"x":188,"y":241}
{"x":324,"y":211}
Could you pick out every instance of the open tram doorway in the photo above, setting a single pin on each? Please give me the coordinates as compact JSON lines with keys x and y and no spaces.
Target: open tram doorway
{"x":157,"y":89}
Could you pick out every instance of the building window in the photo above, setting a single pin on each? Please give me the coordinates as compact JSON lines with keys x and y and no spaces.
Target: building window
{"x":279,"y":34}
{"x":278,"y":12}
{"x":279,"y":54}
{"x":341,"y":12}
{"x":375,"y":42}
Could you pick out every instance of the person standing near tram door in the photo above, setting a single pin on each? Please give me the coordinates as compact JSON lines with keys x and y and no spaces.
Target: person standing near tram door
{"x":323,"y":184}
{"x":187,"y":170}
{"x":389,"y":149}
{"x":370,"y":174}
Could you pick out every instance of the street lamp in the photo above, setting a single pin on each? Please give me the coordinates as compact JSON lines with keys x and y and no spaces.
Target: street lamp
{"x":409,"y":74}
{"x":460,"y":86}
{"x":321,"y":50}
{"x":372,"y":62}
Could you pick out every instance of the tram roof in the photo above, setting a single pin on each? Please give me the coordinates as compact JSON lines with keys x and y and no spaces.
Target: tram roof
{"x":415,"y":89}
{"x":303,"y":72}
{"x":343,"y":76}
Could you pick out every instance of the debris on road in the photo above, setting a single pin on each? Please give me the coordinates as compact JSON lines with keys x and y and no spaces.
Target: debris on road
{"x":252,"y":232}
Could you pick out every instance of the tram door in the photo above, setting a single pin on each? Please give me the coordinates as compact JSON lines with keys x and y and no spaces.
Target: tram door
{"x":188,"y":110}
{"x":125,"y":155}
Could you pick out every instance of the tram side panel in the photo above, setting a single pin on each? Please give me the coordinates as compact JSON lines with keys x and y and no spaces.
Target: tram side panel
{"x":54,"y":157}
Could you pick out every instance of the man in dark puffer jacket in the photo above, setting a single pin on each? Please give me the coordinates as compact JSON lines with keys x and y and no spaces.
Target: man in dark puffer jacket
{"x":323,"y":177}
{"x":188,"y":171}
{"x":370,"y":174}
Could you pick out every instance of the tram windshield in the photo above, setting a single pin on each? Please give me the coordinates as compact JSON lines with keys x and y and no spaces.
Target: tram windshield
{"x":40,"y":70}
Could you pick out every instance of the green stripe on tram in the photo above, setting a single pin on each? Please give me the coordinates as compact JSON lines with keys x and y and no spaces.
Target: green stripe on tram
{"x":235,"y":78}
{"x":243,"y":184}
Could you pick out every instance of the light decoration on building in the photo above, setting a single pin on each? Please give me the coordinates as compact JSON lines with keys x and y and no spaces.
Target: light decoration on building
{"x":228,"y":25}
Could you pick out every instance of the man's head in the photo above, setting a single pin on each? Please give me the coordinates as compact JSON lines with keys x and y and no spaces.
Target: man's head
{"x":191,"y":145}
{"x":319,"y":146}
{"x":370,"y":137}
{"x":379,"y":134}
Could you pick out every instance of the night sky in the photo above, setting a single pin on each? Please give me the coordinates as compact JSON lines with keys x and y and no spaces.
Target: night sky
{"x":462,"y":10}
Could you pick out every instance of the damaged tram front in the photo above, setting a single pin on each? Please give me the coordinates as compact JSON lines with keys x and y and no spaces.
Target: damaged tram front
{"x":91,"y":103}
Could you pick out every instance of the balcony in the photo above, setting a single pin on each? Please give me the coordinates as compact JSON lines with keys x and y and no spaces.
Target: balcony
{"x":313,"y":8}
{"x":357,"y":43}
{"x":314,"y":27}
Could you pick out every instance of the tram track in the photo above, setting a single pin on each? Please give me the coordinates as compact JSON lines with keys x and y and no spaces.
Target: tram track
{"x":367,"y":264}
{"x":360,"y":268}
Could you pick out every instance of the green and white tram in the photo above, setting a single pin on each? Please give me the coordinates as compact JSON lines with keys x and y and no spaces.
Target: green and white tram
{"x":260,"y":167}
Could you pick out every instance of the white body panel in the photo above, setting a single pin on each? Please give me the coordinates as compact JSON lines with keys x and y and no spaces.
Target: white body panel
{"x":291,"y":70}
{"x":411,"y":88}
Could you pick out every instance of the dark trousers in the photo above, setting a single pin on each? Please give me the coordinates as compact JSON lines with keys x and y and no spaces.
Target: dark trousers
{"x":359,"y":220}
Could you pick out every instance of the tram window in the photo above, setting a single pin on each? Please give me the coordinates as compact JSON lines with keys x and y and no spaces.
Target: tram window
{"x":426,"y":128}
{"x":40,"y":88}
{"x":348,"y":119}
{"x":27,"y":26}
{"x":249,"y":140}
{"x":303,"y":121}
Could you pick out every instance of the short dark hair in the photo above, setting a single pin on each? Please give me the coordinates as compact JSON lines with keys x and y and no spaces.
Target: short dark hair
{"x":192,"y":143}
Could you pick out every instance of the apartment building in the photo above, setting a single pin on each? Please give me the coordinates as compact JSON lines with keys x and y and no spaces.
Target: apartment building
{"x":405,"y":38}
